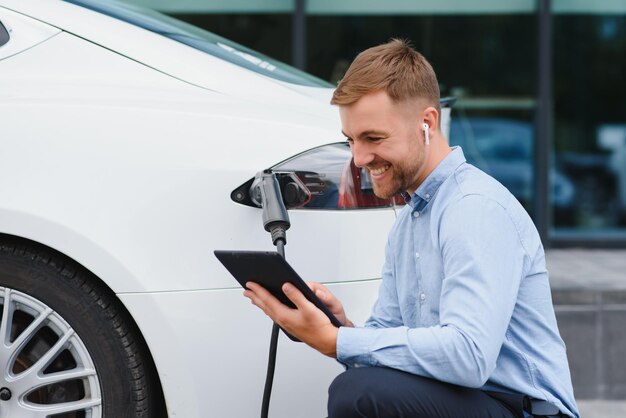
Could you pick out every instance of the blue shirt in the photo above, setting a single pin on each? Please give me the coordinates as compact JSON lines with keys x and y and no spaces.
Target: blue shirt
{"x":464,"y":296}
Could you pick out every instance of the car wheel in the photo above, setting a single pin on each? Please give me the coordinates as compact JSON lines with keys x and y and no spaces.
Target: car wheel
{"x":68,"y":347}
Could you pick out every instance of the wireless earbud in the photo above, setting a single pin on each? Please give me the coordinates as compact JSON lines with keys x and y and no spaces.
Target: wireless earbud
{"x":425,"y":126}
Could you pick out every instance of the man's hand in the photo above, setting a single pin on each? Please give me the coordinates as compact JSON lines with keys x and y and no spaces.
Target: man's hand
{"x":307,"y":323}
{"x":332,"y":303}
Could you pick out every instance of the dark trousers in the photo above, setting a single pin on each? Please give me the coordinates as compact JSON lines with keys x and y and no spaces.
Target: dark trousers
{"x":377,"y":392}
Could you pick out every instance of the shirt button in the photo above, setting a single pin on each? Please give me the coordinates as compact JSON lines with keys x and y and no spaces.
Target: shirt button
{"x":416,"y":214}
{"x":417,"y":255}
{"x":423,"y":296}
{"x":427,"y":196}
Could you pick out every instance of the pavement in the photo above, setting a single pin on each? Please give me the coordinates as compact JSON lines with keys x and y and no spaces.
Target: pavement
{"x":602,"y":408}
{"x":589,"y":295}
{"x":592,"y":269}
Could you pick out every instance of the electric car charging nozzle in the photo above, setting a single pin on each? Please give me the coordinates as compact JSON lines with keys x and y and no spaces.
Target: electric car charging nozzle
{"x":265,"y":191}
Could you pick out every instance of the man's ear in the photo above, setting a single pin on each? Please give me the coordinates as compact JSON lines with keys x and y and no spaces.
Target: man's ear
{"x":430,"y":116}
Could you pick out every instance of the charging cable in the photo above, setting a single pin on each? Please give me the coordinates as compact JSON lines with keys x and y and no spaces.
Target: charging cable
{"x":265,"y":191}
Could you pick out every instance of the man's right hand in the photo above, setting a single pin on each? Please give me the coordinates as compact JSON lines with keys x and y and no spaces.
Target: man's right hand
{"x":332,"y":303}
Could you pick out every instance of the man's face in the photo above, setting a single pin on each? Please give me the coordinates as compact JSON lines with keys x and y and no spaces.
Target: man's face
{"x":385,"y":139}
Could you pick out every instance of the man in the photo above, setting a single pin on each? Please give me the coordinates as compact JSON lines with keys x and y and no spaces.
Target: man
{"x":464,"y":324}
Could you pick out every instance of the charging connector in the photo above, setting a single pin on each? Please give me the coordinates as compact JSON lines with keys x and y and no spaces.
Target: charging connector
{"x":265,"y":191}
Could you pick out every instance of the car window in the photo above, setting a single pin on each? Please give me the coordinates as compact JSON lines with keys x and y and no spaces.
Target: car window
{"x":202,"y":40}
{"x":4,"y":35}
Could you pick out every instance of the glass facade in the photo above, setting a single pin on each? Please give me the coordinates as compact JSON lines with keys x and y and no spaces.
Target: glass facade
{"x":552,"y":128}
{"x":589,"y":128}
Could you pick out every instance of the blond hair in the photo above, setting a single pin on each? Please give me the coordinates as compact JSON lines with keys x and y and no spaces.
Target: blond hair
{"x":394,"y":67}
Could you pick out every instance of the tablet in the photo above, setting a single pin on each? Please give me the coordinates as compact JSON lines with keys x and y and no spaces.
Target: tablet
{"x":270,"y":270}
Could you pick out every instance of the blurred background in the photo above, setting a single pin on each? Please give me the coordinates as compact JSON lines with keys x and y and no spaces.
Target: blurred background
{"x":541,"y":97}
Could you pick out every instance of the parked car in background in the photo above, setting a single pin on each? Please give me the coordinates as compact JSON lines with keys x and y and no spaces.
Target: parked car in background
{"x":127,"y":141}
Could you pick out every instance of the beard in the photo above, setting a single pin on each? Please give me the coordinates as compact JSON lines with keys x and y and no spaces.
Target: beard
{"x":400,"y":177}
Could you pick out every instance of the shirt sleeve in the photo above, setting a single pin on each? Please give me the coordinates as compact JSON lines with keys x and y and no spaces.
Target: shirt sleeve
{"x":484,"y":261}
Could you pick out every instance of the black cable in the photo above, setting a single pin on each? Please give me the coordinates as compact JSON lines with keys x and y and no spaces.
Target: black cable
{"x":271,"y":362}
{"x":280,"y":246}
{"x":269,"y":376}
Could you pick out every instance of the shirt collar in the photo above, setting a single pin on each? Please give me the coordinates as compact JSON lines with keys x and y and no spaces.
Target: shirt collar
{"x":430,"y":185}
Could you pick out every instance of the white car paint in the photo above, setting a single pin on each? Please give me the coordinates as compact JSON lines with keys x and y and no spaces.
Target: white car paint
{"x":27,"y":32}
{"x":170,"y":57}
{"x":119,"y":148}
{"x":225,"y":362}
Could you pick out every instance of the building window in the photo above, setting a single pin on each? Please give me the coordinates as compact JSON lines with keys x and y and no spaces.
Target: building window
{"x":589,"y":40}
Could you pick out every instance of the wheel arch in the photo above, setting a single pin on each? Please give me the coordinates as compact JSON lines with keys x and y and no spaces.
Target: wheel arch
{"x":19,"y":241}
{"x":65,"y":239}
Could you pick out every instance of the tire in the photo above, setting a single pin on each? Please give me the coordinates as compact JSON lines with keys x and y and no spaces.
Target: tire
{"x":69,"y":348}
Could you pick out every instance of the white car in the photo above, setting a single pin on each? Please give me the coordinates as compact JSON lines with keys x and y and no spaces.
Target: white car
{"x":128,"y":141}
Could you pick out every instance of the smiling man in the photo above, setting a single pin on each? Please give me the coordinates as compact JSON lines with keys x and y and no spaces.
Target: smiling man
{"x":464,"y":324}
